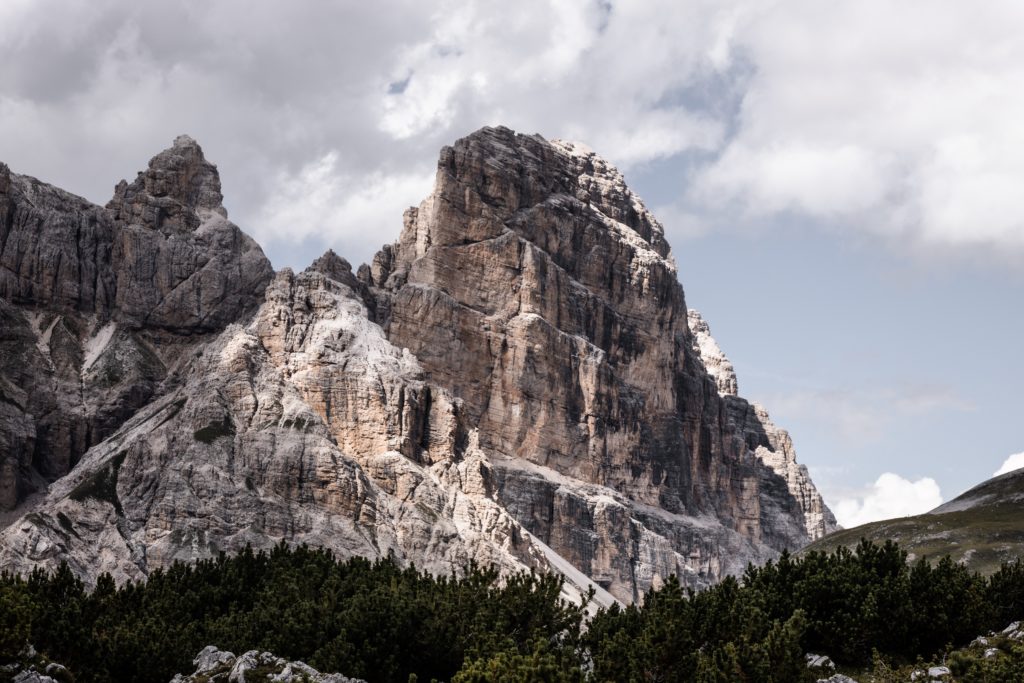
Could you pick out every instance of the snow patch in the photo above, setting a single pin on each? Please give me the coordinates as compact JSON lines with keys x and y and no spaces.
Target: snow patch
{"x":95,"y":345}
{"x":35,"y":321}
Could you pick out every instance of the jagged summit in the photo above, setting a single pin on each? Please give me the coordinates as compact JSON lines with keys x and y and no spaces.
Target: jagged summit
{"x":533,"y":285}
{"x":98,"y":304}
{"x":174,"y":194}
{"x":515,"y":381}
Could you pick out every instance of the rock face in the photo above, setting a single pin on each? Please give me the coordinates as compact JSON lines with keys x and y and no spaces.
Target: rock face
{"x":516,"y":381}
{"x":536,"y":287}
{"x":97,"y":304}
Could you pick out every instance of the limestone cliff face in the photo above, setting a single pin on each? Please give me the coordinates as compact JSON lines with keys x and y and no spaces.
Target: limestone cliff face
{"x":99,"y":303}
{"x":304,"y":425}
{"x":536,"y":287}
{"x":516,"y":381}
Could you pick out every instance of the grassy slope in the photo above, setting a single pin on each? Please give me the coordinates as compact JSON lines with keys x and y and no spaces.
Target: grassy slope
{"x":982,"y":528}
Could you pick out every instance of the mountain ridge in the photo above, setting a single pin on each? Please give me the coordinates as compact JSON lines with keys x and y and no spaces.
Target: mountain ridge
{"x":980,"y":528}
{"x":516,"y":377}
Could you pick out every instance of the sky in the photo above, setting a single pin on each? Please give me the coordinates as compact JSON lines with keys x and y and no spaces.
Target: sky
{"x":840,"y":181}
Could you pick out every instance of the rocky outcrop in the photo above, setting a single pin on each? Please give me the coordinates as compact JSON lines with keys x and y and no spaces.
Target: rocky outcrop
{"x":30,"y":666}
{"x":304,"y":425}
{"x":218,"y":665}
{"x":180,"y":265}
{"x":514,"y":382}
{"x":99,"y":303}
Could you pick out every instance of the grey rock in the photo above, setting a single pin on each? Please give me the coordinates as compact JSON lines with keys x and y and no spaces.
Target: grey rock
{"x":933,"y":673}
{"x":819,"y":662}
{"x":715,"y":361}
{"x":98,"y":304}
{"x":32,"y":677}
{"x":210,"y":658}
{"x":216,"y":665}
{"x":836,"y":678}
{"x":181,"y":265}
{"x":771,"y":444}
{"x":536,"y":287}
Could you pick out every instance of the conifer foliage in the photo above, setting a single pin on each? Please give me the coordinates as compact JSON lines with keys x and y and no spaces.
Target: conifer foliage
{"x":377,"y":621}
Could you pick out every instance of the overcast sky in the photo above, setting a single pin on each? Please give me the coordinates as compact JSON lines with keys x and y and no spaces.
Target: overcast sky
{"x":842,"y":182}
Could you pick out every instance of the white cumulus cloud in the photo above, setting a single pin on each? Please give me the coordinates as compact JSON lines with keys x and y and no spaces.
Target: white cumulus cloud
{"x":890,"y":496}
{"x":324,"y":201}
{"x":896,"y":119}
{"x":1014,"y":462}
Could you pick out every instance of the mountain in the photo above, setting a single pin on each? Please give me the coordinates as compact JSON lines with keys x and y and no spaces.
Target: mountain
{"x":99,"y":304}
{"x":981,"y":528}
{"x":516,"y":381}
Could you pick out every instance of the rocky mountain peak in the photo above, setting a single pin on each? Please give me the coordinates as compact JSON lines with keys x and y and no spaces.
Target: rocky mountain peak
{"x":333,"y":266}
{"x":515,"y":381}
{"x":175,"y":194}
{"x":534,"y":286}
{"x":100,"y":304}
{"x":602,"y":186}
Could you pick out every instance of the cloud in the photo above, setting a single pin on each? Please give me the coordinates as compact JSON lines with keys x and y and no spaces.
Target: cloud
{"x":1014,"y":462}
{"x":891,"y":496}
{"x":899,"y":121}
{"x":321,"y":200}
{"x":91,"y":90}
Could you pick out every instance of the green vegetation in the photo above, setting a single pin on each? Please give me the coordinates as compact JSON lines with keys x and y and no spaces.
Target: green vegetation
{"x":983,"y":538}
{"x":867,"y":609}
{"x":982,"y":528}
{"x":370,"y":620}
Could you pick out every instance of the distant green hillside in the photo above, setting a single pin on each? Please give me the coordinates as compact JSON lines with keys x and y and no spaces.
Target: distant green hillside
{"x":981,"y":528}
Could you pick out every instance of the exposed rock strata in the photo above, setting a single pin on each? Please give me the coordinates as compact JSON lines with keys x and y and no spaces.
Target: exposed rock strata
{"x":515,"y":381}
{"x":716,"y":362}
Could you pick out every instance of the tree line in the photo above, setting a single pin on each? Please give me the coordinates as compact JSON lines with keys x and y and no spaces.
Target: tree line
{"x":381,"y":622}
